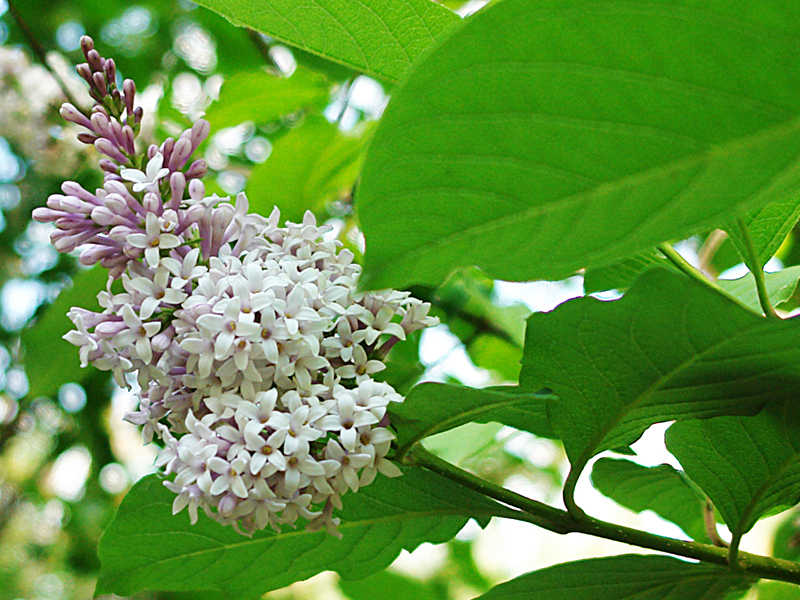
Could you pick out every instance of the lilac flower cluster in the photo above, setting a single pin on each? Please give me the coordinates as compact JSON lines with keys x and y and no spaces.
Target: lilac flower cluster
{"x":253,"y":350}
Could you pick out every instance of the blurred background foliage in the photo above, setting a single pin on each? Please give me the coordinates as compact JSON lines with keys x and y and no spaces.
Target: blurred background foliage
{"x":289,"y":129}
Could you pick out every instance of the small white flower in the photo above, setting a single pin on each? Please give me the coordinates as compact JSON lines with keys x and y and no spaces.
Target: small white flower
{"x":147,"y":181}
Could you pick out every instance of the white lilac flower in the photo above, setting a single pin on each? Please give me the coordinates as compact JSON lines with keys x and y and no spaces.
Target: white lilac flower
{"x":252,"y":346}
{"x":145,"y":181}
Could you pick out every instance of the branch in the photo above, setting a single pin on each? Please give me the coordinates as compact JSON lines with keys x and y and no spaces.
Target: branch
{"x":559,"y":521}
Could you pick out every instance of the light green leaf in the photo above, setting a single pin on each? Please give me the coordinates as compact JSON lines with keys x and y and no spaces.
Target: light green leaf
{"x":620,"y":276}
{"x":49,"y":360}
{"x":767,"y":227}
{"x":389,"y":586}
{"x":626,"y":577}
{"x":432,"y":408}
{"x":662,"y":489}
{"x":146,"y":547}
{"x":748,"y":466}
{"x":780,"y":287}
{"x":308,"y":167}
{"x":544,"y":137}
{"x":378,"y":37}
{"x":777,"y":590}
{"x":670,"y":349}
{"x":260,"y":96}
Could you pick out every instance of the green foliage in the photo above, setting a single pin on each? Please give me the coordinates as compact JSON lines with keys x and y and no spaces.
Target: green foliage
{"x":767,"y":227}
{"x":748,"y":466}
{"x":373,"y":36}
{"x":780,"y":287}
{"x":389,"y":586}
{"x":146,"y":547}
{"x":620,"y":276}
{"x":670,"y":349}
{"x":432,"y":408}
{"x":626,"y":577}
{"x":582,"y":135}
{"x":310,"y":165}
{"x":261,"y":97}
{"x":662,"y":489}
{"x":52,"y":360}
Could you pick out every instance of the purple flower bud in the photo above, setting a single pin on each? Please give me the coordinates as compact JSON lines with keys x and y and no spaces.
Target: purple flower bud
{"x":138,"y":113}
{"x":87,"y":138}
{"x":106,"y":147}
{"x":180,"y":154}
{"x":197,"y":191}
{"x":197,"y":170}
{"x":166,"y":149}
{"x":99,"y":83}
{"x":151,"y":151}
{"x":72,"y":188}
{"x":44,"y":215}
{"x":200,"y":131}
{"x":129,"y":139}
{"x":108,"y":329}
{"x":93,"y":58}
{"x":101,"y":124}
{"x":129,"y":93}
{"x":152,"y":203}
{"x":73,"y":115}
{"x":87,"y":43}
{"x":85,"y":72}
{"x":111,"y":70}
{"x":109,"y":166}
{"x":177,"y":186}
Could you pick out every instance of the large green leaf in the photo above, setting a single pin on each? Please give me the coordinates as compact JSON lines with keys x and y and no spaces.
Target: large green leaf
{"x":49,"y":360}
{"x":626,"y":577}
{"x":543,"y":137}
{"x":432,"y":408}
{"x":378,"y":37}
{"x":260,"y":96}
{"x":146,"y":547}
{"x":748,"y":466}
{"x":670,"y":349}
{"x":780,"y":287}
{"x":308,"y":166}
{"x":390,"y":586}
{"x":662,"y":489}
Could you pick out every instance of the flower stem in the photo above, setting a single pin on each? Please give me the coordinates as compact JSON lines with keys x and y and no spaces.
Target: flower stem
{"x":754,"y":263}
{"x":683,"y":265}
{"x":559,"y":521}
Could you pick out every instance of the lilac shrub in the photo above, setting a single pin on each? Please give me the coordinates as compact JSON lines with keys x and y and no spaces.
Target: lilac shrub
{"x":251,"y":346}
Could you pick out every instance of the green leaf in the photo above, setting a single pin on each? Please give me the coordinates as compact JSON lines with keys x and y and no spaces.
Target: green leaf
{"x":378,"y":37}
{"x":662,"y":489}
{"x":748,"y":466}
{"x":626,"y":577}
{"x":780,"y":287}
{"x":308,"y":167}
{"x":432,"y":408}
{"x":389,"y":586}
{"x":620,"y":276}
{"x":767,"y":227}
{"x":49,"y":360}
{"x":146,"y":547}
{"x":670,"y":349}
{"x":777,"y":590}
{"x":544,"y":137}
{"x":496,"y":354}
{"x":786,"y":542}
{"x":260,"y":96}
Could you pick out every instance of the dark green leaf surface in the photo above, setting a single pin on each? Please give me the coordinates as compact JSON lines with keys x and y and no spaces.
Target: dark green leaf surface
{"x":146,"y":547}
{"x":308,"y":166}
{"x":748,"y":466}
{"x":780,"y":287}
{"x":543,"y":137}
{"x":626,"y":577}
{"x":260,"y":96}
{"x":670,"y":349}
{"x":49,"y":360}
{"x":378,"y":37}
{"x":662,"y":489}
{"x":620,"y":276}
{"x":432,"y":408}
